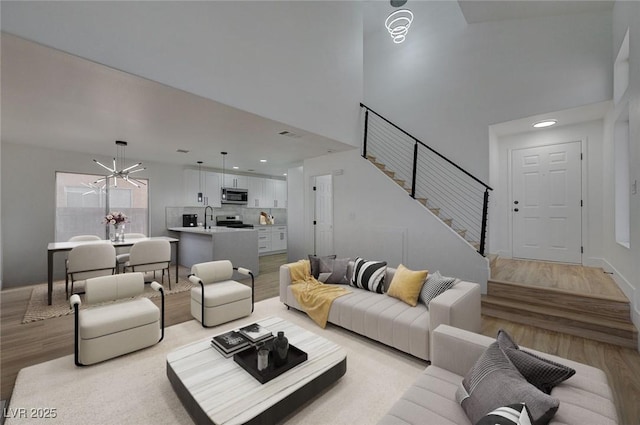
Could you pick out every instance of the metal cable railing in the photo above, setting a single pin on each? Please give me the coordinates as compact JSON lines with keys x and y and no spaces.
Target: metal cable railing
{"x":457,"y":194}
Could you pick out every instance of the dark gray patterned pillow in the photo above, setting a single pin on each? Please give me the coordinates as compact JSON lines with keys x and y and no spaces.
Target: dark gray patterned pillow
{"x":544,"y":374}
{"x":334,"y":270}
{"x":369,"y":275}
{"x":494,"y":382}
{"x":435,"y":285}
{"x":314,"y":262}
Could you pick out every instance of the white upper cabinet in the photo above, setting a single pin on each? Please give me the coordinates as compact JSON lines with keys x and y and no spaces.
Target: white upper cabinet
{"x":212,"y":189}
{"x":195,"y":181}
{"x":255,"y":187}
{"x":280,"y":194}
{"x":267,"y":193}
{"x":235,"y":181}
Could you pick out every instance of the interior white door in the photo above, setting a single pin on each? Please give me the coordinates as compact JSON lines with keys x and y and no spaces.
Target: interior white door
{"x":323,"y":220}
{"x":547,"y":203}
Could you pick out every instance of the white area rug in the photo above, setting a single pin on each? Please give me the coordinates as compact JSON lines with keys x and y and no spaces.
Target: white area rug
{"x":134,"y":389}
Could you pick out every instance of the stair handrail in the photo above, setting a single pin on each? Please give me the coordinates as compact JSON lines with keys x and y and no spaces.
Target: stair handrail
{"x":362,"y":105}
{"x":417,"y":142}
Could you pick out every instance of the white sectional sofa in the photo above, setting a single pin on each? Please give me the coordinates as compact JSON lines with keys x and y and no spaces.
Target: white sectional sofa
{"x":393,"y":322}
{"x":584,"y":399}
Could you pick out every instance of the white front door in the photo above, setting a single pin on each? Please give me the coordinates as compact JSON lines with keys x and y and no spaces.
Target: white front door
{"x":323,"y":219}
{"x":547,"y":202}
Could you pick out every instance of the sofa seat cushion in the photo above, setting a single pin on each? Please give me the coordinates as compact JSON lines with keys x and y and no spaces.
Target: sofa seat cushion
{"x":585,"y":398}
{"x":429,"y":400}
{"x":103,"y":320}
{"x":221,"y":293}
{"x":385,"y":319}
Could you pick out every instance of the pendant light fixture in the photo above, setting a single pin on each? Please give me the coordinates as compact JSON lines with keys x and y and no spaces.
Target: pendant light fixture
{"x":200,"y":181}
{"x":123,"y":173}
{"x":224,"y":155}
{"x":399,"y":21}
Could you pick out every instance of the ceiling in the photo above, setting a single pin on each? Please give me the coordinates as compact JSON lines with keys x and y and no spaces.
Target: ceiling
{"x":477,"y":11}
{"x":53,"y":99}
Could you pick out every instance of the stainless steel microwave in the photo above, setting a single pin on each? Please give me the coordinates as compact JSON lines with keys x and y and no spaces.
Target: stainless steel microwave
{"x":234,"y":196}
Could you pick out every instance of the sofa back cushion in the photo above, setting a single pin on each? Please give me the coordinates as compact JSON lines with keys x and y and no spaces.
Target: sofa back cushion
{"x":369,"y":275}
{"x":406,"y":284}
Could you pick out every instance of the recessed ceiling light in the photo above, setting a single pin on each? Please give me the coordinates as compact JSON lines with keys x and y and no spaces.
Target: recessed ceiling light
{"x":545,"y":123}
{"x":284,"y":174}
{"x":263,"y":160}
{"x":235,"y":167}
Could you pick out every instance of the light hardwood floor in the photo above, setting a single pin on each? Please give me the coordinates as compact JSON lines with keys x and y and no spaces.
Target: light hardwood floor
{"x":32,"y":343}
{"x":567,"y":277}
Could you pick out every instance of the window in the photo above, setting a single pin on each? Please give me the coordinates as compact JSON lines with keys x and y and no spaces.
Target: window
{"x":82,"y":204}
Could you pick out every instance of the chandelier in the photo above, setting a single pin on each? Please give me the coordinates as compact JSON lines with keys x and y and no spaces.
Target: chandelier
{"x":398,"y":22}
{"x":123,"y":173}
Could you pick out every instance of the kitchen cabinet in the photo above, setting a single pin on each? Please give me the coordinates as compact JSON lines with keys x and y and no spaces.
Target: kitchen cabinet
{"x":279,"y":238}
{"x":235,"y":181}
{"x":264,"y":239}
{"x":267,"y":193}
{"x":194,"y":181}
{"x":271,"y":239}
{"x":280,"y":194}
{"x":255,"y":189}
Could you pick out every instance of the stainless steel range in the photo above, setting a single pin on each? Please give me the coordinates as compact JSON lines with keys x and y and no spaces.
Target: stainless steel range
{"x":234,"y":221}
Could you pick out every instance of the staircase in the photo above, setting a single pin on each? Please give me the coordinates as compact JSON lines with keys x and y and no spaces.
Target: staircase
{"x":598,"y":317}
{"x":451,"y":193}
{"x":424,"y":201}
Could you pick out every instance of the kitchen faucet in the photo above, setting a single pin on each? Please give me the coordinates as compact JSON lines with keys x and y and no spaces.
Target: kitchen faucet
{"x":205,"y":215}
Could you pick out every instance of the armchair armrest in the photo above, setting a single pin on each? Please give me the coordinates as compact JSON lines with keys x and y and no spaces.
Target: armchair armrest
{"x":245,"y":272}
{"x":195,"y":279}
{"x":157,"y":287}
{"x":74,"y":300}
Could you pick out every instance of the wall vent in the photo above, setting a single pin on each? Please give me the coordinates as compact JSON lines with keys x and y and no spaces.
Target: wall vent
{"x":289,"y":134}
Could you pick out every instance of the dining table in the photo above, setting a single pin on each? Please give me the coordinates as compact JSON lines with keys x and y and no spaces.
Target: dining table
{"x":55,"y":247}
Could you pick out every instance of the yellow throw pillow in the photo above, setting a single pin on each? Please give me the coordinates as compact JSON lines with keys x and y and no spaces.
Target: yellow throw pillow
{"x":406,"y":284}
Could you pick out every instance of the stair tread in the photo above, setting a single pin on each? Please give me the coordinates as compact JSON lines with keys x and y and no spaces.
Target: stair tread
{"x":554,"y":312}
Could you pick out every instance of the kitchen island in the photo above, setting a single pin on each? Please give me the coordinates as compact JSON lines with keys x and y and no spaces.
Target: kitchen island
{"x":199,"y":245}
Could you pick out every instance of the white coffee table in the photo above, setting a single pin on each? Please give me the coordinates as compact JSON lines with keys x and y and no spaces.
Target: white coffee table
{"x":216,"y":390}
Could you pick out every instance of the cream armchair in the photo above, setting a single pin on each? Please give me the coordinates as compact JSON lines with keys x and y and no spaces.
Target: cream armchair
{"x":110,"y":330}
{"x":217,"y":298}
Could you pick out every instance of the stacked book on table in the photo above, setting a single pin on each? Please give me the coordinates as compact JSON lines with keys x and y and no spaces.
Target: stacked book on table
{"x":235,"y":341}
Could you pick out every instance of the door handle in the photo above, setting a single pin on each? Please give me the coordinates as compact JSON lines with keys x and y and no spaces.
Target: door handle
{"x":516,"y":210}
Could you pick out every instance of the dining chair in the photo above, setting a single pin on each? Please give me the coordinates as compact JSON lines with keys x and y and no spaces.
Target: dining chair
{"x":90,"y":260}
{"x":77,"y":238}
{"x":122,"y":253}
{"x":150,"y":255}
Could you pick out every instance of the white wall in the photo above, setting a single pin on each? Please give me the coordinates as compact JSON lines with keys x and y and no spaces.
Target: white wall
{"x":624,"y":262}
{"x":591,"y":135}
{"x":295,"y":214}
{"x":449,"y":80}
{"x":295,"y":62}
{"x":376,"y":219}
{"x":28,"y":205}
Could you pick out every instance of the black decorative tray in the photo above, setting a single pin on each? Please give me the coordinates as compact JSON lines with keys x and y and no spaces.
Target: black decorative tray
{"x":248,"y":359}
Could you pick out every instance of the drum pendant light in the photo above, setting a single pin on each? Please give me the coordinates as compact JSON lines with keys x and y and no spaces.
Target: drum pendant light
{"x":199,"y":181}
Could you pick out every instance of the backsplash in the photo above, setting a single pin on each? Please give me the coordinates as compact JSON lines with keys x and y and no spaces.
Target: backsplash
{"x":173,"y":215}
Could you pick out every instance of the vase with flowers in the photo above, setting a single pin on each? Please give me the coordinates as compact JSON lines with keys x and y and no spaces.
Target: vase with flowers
{"x":117,"y":219}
